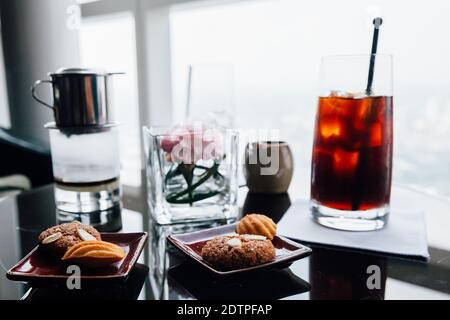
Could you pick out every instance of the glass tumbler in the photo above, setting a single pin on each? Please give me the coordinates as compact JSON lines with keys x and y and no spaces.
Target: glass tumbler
{"x":353,"y":138}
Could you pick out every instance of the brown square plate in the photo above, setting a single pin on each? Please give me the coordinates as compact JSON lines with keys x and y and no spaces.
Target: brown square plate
{"x":39,"y":269}
{"x":191,"y":244}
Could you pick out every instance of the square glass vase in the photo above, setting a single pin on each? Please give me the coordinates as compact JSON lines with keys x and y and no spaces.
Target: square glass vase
{"x":201,"y":192}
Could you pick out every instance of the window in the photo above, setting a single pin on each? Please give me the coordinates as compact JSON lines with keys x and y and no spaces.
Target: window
{"x":276,"y":46}
{"x":109,"y":42}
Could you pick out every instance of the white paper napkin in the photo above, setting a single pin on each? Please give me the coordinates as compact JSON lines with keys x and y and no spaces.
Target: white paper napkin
{"x":405,"y":233}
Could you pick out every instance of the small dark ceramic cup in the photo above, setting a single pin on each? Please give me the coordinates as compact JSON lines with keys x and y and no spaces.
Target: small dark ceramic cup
{"x":269,"y":166}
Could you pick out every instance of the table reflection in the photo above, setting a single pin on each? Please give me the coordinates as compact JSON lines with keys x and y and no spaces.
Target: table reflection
{"x":109,"y":220}
{"x":267,"y":285}
{"x":272,"y":205}
{"x":126,"y":290}
{"x":346,"y":275}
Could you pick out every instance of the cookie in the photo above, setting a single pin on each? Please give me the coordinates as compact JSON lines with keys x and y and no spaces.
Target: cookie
{"x":239,"y":251}
{"x":58,"y":239}
{"x":257,"y":224}
{"x":94,"y":253}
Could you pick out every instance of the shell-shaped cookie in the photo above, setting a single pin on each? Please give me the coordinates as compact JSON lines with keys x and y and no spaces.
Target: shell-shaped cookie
{"x":94,"y":253}
{"x":257,"y":224}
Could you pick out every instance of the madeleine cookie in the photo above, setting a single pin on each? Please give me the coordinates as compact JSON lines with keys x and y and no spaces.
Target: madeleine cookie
{"x":94,"y":253}
{"x":58,"y":239}
{"x":233,"y":252}
{"x":257,"y":224}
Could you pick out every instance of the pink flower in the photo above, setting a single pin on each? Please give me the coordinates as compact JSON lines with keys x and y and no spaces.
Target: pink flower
{"x":190,"y":143}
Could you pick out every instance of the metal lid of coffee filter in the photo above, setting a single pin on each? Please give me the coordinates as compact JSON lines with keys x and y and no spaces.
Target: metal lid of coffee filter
{"x":83,"y":71}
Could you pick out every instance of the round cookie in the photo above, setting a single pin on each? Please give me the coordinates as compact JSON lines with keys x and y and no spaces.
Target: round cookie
{"x":240,"y":251}
{"x":56,"y":240}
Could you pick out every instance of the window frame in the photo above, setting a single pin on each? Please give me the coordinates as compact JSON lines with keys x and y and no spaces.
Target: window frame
{"x":152,"y":28}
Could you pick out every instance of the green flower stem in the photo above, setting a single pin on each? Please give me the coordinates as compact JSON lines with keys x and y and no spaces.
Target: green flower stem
{"x":206,"y":168}
{"x":197,"y":197}
{"x":174,"y":171}
{"x":191,"y":187}
{"x":188,"y":174}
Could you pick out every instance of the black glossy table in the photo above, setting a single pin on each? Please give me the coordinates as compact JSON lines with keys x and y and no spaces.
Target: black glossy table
{"x":162,"y":273}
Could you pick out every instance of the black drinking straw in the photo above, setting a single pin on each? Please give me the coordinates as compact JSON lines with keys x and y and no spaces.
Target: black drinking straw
{"x":376,"y":23}
{"x":363,"y":155}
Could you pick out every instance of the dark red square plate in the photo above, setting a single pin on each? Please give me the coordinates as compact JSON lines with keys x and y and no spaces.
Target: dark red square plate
{"x":191,"y":244}
{"x":39,"y":269}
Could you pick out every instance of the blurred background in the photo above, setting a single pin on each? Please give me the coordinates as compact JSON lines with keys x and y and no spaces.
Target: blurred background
{"x":274,"y":48}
